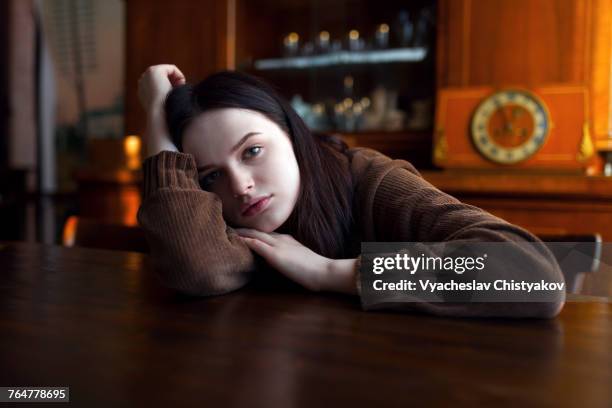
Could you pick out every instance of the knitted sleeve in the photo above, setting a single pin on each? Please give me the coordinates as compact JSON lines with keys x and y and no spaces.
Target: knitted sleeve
{"x":192,"y":248}
{"x":401,"y":206}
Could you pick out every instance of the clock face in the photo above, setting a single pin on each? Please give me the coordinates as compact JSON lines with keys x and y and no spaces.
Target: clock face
{"x":510,"y":126}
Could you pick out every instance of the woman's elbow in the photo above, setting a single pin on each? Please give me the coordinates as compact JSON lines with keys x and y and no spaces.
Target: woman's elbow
{"x":552,"y":304}
{"x":209,"y":281}
{"x":552,"y":308}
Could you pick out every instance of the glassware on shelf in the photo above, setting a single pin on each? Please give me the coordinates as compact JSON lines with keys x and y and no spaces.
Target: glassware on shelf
{"x":336,"y":45}
{"x":291,"y":44}
{"x":367,"y":57}
{"x":381,"y":36}
{"x":347,"y":115}
{"x":299,"y":106}
{"x":348,"y":83}
{"x":355,"y":43}
{"x":323,"y":44}
{"x":308,"y":49}
{"x":318,"y":120}
{"x":378,"y":113}
{"x":404,"y":29}
{"x":421,"y":117}
{"x":313,"y":115}
{"x":365,"y":103}
{"x":383,"y":112}
{"x":424,"y":26}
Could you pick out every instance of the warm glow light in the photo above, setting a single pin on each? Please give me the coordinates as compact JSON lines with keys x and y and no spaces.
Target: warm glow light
{"x":348,"y":81}
{"x":69,"y":233}
{"x":383,"y":28}
{"x":291,"y":39}
{"x":131,"y":147}
{"x":324,"y":36}
{"x":353,"y":34}
{"x":365,"y":102}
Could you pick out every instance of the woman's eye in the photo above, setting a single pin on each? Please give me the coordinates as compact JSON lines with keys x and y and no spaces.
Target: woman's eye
{"x":209,"y":179}
{"x":252,"y":151}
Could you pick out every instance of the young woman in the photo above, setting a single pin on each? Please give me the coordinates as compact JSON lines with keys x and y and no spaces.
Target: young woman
{"x":232,"y":170}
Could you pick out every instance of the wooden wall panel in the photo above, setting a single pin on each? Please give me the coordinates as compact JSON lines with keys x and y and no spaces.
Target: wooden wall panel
{"x":514,"y":42}
{"x":4,"y":83}
{"x":189,"y":34}
{"x":601,"y":69}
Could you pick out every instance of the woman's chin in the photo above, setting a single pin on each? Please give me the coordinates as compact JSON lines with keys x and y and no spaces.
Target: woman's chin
{"x":260,"y":225}
{"x":265,"y":227}
{"x":267,"y":224}
{"x":264,"y":222}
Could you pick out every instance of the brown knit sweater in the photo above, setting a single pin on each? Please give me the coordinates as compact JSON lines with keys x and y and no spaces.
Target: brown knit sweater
{"x":195,"y":252}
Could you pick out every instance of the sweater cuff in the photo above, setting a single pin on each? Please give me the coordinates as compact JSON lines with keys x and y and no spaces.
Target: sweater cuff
{"x":358,"y":275}
{"x":172,"y":170}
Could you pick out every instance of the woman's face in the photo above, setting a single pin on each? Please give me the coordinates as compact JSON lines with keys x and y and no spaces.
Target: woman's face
{"x":248,"y":161}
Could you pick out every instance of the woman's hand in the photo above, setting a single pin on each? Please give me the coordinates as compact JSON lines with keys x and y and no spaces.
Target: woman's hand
{"x":155,"y":83}
{"x":153,"y":87}
{"x":301,"y":264}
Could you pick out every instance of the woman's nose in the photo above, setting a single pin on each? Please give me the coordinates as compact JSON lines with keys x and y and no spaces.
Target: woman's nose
{"x":241,"y":182}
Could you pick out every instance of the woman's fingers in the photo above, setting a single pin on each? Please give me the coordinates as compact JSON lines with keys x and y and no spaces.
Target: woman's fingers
{"x":259,"y":247}
{"x":155,"y":83}
{"x":168,"y":71}
{"x":163,"y":72}
{"x":176,"y":77}
{"x":253,"y":233}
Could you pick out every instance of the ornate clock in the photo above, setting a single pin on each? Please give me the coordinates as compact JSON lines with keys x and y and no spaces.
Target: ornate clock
{"x":513,"y":128}
{"x":510,"y":126}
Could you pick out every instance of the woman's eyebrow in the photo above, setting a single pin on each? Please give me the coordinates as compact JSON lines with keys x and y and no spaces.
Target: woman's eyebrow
{"x":243,"y":140}
{"x":236,"y":147}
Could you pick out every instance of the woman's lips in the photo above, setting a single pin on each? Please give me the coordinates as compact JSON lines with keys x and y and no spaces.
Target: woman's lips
{"x":257,"y":207}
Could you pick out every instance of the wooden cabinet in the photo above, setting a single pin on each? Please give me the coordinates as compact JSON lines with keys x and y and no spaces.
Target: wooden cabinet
{"x":546,"y":204}
{"x":530,"y":43}
{"x":202,"y":37}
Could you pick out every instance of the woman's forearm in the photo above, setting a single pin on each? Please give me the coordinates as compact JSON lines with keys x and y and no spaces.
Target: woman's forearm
{"x":341,"y":276}
{"x":158,"y":137}
{"x":153,"y":87}
{"x":192,"y":248}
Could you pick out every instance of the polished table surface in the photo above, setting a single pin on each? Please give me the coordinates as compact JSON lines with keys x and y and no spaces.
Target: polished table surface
{"x":99,"y":322}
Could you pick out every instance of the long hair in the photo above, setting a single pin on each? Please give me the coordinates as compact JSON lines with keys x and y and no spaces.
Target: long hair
{"x":322,"y":217}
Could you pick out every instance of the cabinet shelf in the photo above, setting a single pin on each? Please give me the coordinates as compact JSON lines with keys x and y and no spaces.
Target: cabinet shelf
{"x":414,"y":54}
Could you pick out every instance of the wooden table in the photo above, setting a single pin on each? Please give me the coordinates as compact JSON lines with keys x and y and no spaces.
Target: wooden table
{"x":99,"y":322}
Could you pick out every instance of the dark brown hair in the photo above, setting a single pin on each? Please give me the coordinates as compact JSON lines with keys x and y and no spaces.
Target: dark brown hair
{"x":322,"y":217}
